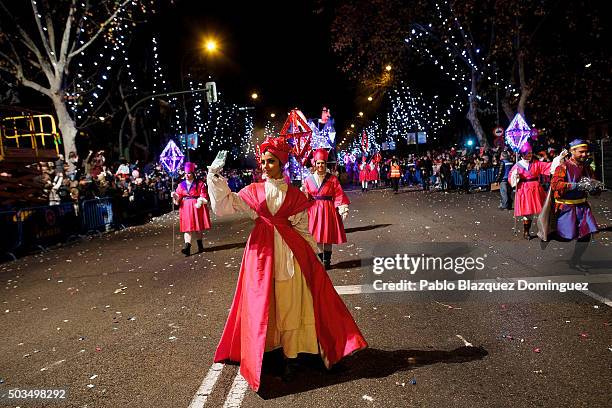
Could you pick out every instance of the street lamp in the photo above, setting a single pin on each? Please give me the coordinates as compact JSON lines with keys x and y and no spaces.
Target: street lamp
{"x":254,"y":95}
{"x":370,"y":99}
{"x":388,"y":67}
{"x":361,"y":114}
{"x":210,"y":46}
{"x":273,"y":115}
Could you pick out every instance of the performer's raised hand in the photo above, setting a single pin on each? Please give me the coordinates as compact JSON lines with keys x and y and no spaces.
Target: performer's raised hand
{"x":218,"y":163}
{"x":557,"y":161}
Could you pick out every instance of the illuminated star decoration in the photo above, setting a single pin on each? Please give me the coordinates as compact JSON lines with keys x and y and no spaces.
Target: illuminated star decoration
{"x":171,"y":157}
{"x":517,"y":133}
{"x":297,"y":131}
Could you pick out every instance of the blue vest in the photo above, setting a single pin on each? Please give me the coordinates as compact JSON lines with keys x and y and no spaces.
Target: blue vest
{"x":507,"y":166}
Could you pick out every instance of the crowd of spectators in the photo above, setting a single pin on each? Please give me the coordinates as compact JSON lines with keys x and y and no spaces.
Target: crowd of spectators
{"x":133,"y":183}
{"x":434,"y":168}
{"x":75,"y":180}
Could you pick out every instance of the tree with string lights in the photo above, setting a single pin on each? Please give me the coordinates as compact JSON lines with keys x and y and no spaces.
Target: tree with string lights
{"x":65,"y":50}
{"x":523,"y":53}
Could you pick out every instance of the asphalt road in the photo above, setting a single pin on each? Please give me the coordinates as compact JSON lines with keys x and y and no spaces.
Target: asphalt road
{"x":119,"y":320}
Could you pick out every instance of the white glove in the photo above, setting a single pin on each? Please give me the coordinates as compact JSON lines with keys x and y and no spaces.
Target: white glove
{"x":557,"y":161}
{"x":175,"y":197}
{"x":218,"y":163}
{"x":200,"y":202}
{"x":514,"y":178}
{"x":343,"y":210}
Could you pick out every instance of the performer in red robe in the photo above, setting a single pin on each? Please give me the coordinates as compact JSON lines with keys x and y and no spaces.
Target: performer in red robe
{"x":364,"y":172}
{"x":373,"y":174}
{"x":284,"y":298}
{"x":191,"y":197}
{"x":525,"y":176}
{"x":324,"y":220}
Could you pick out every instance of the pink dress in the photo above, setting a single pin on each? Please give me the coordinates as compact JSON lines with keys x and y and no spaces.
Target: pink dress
{"x":244,"y":335}
{"x":324,"y":221}
{"x":529,"y":193}
{"x":364,"y":172}
{"x":373,"y":173}
{"x":192,"y":218}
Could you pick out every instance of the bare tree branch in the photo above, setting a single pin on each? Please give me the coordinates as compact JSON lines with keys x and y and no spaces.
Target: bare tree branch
{"x":100,"y":30}
{"x":51,"y":32}
{"x":9,"y":60}
{"x":45,"y":41}
{"x":64,"y":54}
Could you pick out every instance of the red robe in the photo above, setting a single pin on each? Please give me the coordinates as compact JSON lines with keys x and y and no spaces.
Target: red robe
{"x":364,"y":171}
{"x":192,"y":218}
{"x":373,"y":173}
{"x":244,"y":336}
{"x":530,"y":195}
{"x":324,"y":221}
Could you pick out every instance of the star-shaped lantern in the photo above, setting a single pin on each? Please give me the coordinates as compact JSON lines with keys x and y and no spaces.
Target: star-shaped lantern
{"x":517,"y":133}
{"x":296,"y":128}
{"x":171,"y":157}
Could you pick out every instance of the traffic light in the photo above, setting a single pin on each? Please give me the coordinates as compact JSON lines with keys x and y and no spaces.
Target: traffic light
{"x":211,"y":92}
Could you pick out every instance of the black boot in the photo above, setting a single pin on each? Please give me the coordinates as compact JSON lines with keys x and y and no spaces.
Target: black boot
{"x":327,"y":259}
{"x":200,"y":246}
{"x":289,"y":370}
{"x":526,"y":228}
{"x":186,"y":249}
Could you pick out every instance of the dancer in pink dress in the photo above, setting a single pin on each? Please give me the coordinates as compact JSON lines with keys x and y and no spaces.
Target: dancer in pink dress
{"x":364,"y":173}
{"x":329,"y":209}
{"x":530,"y":196}
{"x":284,"y":298}
{"x":191,"y":197}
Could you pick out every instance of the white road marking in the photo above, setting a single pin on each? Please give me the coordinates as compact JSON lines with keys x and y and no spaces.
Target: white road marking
{"x":240,"y":386}
{"x":591,"y":279}
{"x":207,"y":386}
{"x":237,"y":392}
{"x":597,"y":297}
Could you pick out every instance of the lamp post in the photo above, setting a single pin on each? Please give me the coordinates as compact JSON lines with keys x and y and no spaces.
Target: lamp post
{"x":210,"y":46}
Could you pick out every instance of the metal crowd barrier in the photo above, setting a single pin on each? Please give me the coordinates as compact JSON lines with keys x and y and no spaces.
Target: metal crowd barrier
{"x":12,"y":234}
{"x":97,"y":214}
{"x":477,"y":178}
{"x":39,"y":227}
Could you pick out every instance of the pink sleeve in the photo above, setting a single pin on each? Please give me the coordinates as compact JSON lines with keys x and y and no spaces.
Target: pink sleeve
{"x":544,"y":168}
{"x":340,"y":197}
{"x":203,"y":190}
{"x":181,"y":193}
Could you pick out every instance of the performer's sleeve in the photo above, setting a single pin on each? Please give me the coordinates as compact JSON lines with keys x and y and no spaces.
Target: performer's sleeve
{"x":299,"y":221}
{"x":558,"y":182}
{"x":179,"y":192}
{"x":204,"y":192}
{"x":513,"y":176}
{"x":340,"y":197}
{"x":544,"y":167}
{"x":222,"y":200}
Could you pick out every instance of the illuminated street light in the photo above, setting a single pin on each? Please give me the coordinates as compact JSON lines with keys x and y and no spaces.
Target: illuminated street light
{"x":352,"y":126}
{"x":254,"y":95}
{"x":361,"y":114}
{"x":587,"y":65}
{"x":211,"y":45}
{"x":388,"y":67}
{"x":370,"y":98}
{"x":273,"y":115}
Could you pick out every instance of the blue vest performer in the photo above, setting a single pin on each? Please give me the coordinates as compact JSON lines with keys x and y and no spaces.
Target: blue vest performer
{"x":571,"y":183}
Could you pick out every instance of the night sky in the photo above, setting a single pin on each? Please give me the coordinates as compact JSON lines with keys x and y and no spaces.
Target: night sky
{"x":281,"y":50}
